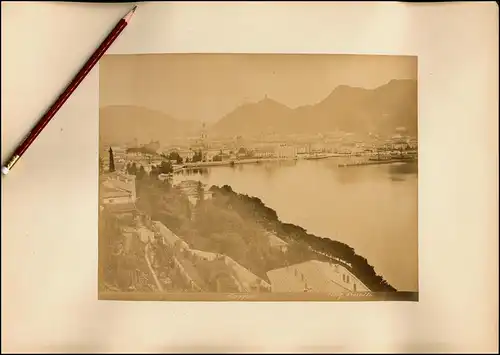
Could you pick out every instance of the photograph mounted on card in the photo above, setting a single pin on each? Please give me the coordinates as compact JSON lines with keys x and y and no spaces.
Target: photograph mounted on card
{"x":258,"y":177}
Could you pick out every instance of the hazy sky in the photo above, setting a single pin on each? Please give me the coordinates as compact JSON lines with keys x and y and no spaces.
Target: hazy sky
{"x":205,"y":87}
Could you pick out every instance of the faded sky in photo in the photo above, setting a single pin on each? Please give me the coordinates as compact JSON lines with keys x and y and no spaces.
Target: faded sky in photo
{"x":205,"y":87}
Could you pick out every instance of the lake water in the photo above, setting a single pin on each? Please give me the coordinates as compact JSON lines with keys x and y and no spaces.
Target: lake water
{"x":371,"y":208}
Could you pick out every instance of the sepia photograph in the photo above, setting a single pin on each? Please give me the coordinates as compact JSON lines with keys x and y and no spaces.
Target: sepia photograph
{"x":258,"y":177}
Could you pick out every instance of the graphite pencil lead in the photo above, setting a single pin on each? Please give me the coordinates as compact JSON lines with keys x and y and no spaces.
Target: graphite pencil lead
{"x":129,"y":15}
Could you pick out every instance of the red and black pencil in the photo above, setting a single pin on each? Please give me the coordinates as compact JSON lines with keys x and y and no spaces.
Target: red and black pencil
{"x":87,"y":67}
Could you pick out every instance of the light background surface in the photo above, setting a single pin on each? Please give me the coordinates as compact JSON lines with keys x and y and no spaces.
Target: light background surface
{"x":49,"y":199}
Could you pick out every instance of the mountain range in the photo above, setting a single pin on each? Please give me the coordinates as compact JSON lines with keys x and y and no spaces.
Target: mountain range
{"x":351,"y":109}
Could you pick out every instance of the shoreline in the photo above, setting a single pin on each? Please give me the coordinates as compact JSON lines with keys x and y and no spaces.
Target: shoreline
{"x":198,"y":165}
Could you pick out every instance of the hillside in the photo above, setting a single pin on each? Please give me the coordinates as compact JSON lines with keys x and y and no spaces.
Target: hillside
{"x":233,"y":224}
{"x":265,"y":116}
{"x":253,"y":209}
{"x":123,"y":124}
{"x":351,"y":109}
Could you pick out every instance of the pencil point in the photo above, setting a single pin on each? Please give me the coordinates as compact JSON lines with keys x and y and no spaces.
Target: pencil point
{"x":129,"y":15}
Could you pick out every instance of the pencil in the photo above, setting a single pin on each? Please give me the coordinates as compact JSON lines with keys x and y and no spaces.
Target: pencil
{"x":50,"y":113}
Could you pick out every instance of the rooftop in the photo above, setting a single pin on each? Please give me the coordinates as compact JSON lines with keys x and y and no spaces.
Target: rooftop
{"x":320,"y":276}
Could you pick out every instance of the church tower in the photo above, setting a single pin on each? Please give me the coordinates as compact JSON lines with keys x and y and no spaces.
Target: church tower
{"x":203,"y":132}
{"x":203,"y":136}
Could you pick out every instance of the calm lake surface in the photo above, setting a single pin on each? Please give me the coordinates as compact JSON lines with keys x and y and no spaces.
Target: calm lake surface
{"x":371,"y":208}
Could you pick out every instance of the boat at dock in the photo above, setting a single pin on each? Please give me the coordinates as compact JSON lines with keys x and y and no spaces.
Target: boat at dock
{"x":316,"y":157}
{"x":379,"y":161}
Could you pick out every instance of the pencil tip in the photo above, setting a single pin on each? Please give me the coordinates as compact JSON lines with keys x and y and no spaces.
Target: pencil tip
{"x":128,"y":16}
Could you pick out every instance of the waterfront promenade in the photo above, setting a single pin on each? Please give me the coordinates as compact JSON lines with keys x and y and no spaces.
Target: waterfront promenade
{"x":250,"y":161}
{"x":353,"y":160}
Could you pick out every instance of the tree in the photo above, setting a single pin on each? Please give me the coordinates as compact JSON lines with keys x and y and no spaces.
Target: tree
{"x":198,"y":156}
{"x":166,"y":167}
{"x":200,"y":193}
{"x":155,"y":171}
{"x":141,"y":173}
{"x":111,"y":160}
{"x":132,"y":169}
{"x":175,"y":156}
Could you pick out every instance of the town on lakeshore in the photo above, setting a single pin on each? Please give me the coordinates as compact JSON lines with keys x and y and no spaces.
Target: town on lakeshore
{"x":201,"y":151}
{"x":166,"y":234}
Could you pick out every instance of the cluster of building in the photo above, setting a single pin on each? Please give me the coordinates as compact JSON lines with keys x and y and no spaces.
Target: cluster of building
{"x":203,"y":149}
{"x":117,"y":192}
{"x":142,"y":159}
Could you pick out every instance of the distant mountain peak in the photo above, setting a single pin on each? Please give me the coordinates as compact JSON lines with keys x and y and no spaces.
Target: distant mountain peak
{"x":269,"y":101}
{"x":264,"y":103}
{"x":266,"y":99}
